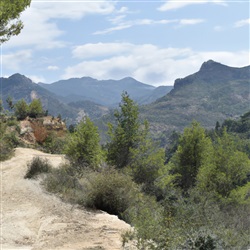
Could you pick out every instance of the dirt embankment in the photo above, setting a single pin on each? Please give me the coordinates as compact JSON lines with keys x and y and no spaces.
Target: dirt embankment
{"x":34,"y":219}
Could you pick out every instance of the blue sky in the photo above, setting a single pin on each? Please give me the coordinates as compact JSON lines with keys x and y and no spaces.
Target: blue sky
{"x":153,"y":41}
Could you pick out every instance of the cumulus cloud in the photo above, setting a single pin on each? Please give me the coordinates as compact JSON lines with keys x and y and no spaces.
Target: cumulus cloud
{"x":14,"y":61}
{"x":175,"y":4}
{"x":53,"y":67}
{"x":241,"y":23}
{"x":40,"y":26}
{"x":36,"y":79}
{"x":67,"y":10}
{"x":91,"y":50}
{"x":146,"y":62}
{"x":123,"y":10}
{"x":191,"y":21}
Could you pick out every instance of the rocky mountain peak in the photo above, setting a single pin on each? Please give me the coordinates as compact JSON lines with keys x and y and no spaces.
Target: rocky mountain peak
{"x":20,"y":78}
{"x":211,"y":65}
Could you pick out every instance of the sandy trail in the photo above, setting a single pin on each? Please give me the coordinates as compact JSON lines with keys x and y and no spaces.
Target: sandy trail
{"x":34,"y":219}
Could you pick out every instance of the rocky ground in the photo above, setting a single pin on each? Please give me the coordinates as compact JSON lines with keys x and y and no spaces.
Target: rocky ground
{"x":33,"y":219}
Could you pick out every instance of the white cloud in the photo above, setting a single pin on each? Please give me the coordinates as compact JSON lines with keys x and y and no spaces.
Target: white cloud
{"x":121,"y":25}
{"x":73,"y":10}
{"x":91,"y":50}
{"x":36,"y":79}
{"x":123,"y":10}
{"x":40,"y":26}
{"x":146,"y":62}
{"x":117,"y":19}
{"x":106,"y":31}
{"x":191,"y":21}
{"x":53,"y":67}
{"x":176,"y":4}
{"x":241,"y":23}
{"x":15,"y":61}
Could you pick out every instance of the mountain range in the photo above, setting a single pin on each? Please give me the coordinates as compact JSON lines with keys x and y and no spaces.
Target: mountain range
{"x":76,"y":97}
{"x":19,"y":86}
{"x":214,"y":93}
{"x":105,"y":92}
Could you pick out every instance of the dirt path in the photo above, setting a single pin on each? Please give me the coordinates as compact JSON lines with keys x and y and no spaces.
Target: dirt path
{"x":34,"y":219}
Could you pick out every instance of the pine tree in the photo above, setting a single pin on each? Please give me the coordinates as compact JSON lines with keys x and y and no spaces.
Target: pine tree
{"x":227,"y":170}
{"x":36,"y":108}
{"x":82,"y":146}
{"x":125,"y":135}
{"x":10,"y":24}
{"x":193,"y":149}
{"x":21,"y":109}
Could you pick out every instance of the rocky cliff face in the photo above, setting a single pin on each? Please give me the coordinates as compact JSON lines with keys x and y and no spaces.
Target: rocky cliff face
{"x":36,"y":130}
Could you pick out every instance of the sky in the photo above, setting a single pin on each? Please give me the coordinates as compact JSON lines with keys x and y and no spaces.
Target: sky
{"x":154,"y":42}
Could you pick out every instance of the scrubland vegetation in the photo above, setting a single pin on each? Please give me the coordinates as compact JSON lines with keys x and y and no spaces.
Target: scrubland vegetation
{"x":192,"y":194}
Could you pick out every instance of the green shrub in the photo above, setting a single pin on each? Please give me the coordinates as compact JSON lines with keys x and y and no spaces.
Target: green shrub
{"x":60,"y":181}
{"x":54,"y":144}
{"x":36,"y":167}
{"x":6,"y":151}
{"x":8,"y":140}
{"x":110,"y":191}
{"x":82,"y":147}
{"x":36,"y":109}
{"x":12,"y":121}
{"x":21,"y":109}
{"x":150,"y":223}
{"x":12,"y":140}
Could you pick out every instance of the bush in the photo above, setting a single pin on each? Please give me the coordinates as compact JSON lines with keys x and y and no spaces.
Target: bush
{"x":12,"y":122}
{"x":12,"y":140}
{"x":36,"y":167}
{"x":21,"y":109}
{"x":60,"y":181}
{"x":107,"y":190}
{"x":54,"y":144}
{"x":110,"y":191}
{"x":8,"y":141}
{"x":6,"y":151}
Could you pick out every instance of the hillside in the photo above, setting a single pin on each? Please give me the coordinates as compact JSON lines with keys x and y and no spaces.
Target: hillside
{"x":154,"y":95}
{"x":216,"y":92}
{"x":91,"y":109}
{"x":104,"y":92}
{"x":18,"y":86}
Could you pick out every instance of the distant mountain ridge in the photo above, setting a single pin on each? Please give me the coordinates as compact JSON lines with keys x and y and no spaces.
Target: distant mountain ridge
{"x":104,"y":92}
{"x":214,"y":93}
{"x":77,"y":97}
{"x":19,"y":86}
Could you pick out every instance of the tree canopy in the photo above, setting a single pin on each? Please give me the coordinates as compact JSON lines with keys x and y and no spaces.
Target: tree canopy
{"x":82,"y":146}
{"x":10,"y":24}
{"x":22,"y":109}
{"x":192,"y":151}
{"x":126,"y":134}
